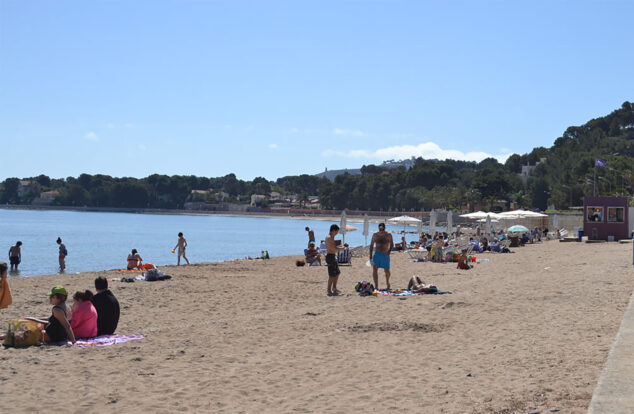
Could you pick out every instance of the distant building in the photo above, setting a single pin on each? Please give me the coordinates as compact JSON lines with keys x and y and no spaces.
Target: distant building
{"x":607,"y":218}
{"x":23,"y":186}
{"x":257,"y":198}
{"x":46,"y":198}
{"x":527,"y":170}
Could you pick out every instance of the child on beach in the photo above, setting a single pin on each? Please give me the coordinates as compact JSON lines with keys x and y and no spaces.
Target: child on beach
{"x":462,"y":261}
{"x":15,"y":256}
{"x":331,"y":261}
{"x":62,"y":255}
{"x":181,"y":244}
{"x":5,"y":292}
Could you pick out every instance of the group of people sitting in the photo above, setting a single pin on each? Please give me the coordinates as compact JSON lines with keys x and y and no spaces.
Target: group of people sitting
{"x":91,"y":314}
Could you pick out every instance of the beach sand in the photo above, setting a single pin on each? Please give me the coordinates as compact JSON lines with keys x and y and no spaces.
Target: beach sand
{"x":524,"y":332}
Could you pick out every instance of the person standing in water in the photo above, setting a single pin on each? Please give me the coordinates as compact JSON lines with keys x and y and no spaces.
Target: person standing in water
{"x":62,"y":255}
{"x":15,"y":256}
{"x":182,"y":243}
{"x":311,"y":235}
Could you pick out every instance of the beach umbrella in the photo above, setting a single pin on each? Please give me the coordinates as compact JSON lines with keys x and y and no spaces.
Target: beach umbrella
{"x":475,"y":215}
{"x":342,"y":225}
{"x":556,"y":221}
{"x":481,"y":215}
{"x":449,"y":222}
{"x":404,"y":220}
{"x":517,"y":229}
{"x":487,"y":226}
{"x":432,"y":222}
{"x":366,"y":227}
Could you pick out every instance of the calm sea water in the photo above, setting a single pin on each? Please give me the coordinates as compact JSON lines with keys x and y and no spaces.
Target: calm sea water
{"x":101,"y":241}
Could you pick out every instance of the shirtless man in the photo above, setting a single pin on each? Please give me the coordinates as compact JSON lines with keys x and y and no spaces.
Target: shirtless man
{"x":331,"y":261}
{"x":182,"y":243}
{"x":381,"y":257}
{"x":15,"y":256}
{"x":311,"y":235}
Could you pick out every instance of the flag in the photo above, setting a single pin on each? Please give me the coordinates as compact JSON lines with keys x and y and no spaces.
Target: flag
{"x":598,"y":162}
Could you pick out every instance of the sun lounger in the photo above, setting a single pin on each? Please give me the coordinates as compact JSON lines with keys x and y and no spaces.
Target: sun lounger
{"x":418,"y":255}
{"x":344,"y":257}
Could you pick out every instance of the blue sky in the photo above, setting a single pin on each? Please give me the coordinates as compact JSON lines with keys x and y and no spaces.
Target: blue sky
{"x":275,"y":88}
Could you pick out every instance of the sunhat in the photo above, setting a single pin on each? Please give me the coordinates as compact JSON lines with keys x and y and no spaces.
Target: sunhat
{"x":57,"y":290}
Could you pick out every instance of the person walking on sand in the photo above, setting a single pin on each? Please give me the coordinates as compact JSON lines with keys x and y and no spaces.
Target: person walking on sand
{"x":331,"y":261}
{"x":182,"y":243}
{"x":381,"y":257}
{"x":62,"y":255}
{"x":5,"y":292}
{"x":311,"y":235}
{"x":15,"y":256}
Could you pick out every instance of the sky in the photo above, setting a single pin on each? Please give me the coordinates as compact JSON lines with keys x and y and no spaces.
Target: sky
{"x":276,"y":88}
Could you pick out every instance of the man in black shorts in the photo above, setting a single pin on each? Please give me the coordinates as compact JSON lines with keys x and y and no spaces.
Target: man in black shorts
{"x":331,"y":260}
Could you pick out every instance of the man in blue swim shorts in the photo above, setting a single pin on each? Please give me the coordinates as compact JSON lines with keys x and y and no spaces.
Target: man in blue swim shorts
{"x":381,"y":257}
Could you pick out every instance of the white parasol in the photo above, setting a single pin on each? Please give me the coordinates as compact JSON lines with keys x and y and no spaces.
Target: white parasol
{"x":366,"y":227}
{"x":342,"y":225}
{"x":404,"y":220}
{"x":449,"y":222}
{"x":432,"y":222}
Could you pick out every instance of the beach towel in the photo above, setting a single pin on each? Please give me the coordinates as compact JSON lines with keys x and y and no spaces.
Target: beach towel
{"x":407,"y":293}
{"x":103,"y":340}
{"x":5,"y":294}
{"x":106,"y":340}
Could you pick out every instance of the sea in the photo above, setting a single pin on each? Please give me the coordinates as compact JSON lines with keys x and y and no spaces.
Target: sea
{"x":102,"y":240}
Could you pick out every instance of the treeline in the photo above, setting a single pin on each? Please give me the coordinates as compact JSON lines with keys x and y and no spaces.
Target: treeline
{"x":155,"y":191}
{"x":563,"y":175}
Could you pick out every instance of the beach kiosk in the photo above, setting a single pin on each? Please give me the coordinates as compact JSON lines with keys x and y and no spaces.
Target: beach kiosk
{"x":606,"y":218}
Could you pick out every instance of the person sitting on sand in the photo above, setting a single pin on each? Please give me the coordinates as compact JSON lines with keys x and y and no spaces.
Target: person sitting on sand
{"x":57,"y":327}
{"x":485,"y":244}
{"x":107,"y":307}
{"x":84,"y":318}
{"x":416,"y":285}
{"x":135,"y":261}
{"x":312,"y":255}
{"x":462,"y":261}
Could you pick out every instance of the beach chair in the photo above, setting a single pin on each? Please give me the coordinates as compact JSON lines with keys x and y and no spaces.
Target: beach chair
{"x":418,"y":255}
{"x":344,"y":257}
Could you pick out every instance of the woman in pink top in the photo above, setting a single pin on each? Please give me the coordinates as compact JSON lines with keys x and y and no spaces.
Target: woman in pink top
{"x":84,"y":319}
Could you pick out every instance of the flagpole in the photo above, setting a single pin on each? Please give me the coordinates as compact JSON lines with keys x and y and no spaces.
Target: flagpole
{"x":594,"y":181}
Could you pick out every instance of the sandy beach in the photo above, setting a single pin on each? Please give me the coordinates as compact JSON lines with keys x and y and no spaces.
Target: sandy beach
{"x":525,"y":332}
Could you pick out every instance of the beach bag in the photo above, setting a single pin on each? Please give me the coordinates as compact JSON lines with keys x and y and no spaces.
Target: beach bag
{"x":300,"y":263}
{"x":23,"y":332}
{"x":364,"y":288}
{"x":152,"y":275}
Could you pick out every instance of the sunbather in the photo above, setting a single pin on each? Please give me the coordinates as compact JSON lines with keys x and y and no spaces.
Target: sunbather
{"x":135,"y":261}
{"x":416,"y":285}
{"x":462,"y":261}
{"x":312,"y":255}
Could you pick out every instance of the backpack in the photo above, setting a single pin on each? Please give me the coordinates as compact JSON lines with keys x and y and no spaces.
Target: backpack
{"x":65,"y":251}
{"x":364,"y":288}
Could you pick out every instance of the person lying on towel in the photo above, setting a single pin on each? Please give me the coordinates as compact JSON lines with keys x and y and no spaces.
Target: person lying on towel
{"x":416,"y":285}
